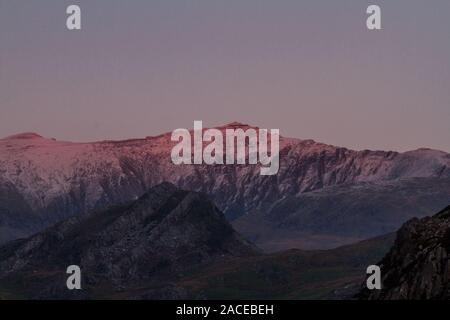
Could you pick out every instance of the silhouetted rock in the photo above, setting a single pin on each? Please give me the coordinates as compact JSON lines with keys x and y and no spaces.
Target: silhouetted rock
{"x":418,"y":265}
{"x":154,"y":240}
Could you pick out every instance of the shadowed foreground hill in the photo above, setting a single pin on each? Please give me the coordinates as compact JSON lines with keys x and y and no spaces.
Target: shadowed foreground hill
{"x":172,"y":244}
{"x":155,"y":239}
{"x":418,"y":265}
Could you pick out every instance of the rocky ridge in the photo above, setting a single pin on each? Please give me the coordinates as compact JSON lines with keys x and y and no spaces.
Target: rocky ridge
{"x":418,"y":265}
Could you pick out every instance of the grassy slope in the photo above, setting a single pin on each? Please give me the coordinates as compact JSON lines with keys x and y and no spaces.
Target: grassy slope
{"x":292,"y":274}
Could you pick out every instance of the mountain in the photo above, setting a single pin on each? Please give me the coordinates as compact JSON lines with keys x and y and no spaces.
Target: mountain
{"x":418,"y":265}
{"x":172,"y":244}
{"x":153,"y":240}
{"x":57,"y":180}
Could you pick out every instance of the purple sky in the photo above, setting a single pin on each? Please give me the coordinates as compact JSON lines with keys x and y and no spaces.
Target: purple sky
{"x":309,"y":68}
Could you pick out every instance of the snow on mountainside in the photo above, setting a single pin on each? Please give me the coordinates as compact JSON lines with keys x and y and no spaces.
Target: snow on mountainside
{"x":59,"y":179}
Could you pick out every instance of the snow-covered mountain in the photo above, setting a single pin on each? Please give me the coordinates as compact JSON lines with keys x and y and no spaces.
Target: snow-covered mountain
{"x":59,"y":179}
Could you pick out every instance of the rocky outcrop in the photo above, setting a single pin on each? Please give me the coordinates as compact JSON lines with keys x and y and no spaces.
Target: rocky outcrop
{"x":418,"y":265}
{"x":153,"y":240}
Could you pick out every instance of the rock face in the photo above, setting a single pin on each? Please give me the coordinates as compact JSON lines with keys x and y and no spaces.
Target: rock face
{"x":57,"y":180}
{"x":153,"y":240}
{"x":418,"y":265}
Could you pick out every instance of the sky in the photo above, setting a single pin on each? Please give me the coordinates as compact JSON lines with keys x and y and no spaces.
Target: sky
{"x":309,"y":68}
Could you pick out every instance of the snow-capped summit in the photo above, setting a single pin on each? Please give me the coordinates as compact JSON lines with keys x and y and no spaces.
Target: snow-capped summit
{"x":25,"y":135}
{"x":59,"y":179}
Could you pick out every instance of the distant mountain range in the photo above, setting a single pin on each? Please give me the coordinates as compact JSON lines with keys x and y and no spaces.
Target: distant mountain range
{"x":323,"y":196}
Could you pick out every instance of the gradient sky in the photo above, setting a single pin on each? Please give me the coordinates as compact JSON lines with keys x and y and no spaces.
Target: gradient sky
{"x":309,"y":68}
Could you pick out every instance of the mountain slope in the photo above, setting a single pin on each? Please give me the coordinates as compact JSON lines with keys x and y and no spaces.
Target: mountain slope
{"x":343,"y":214}
{"x":155,"y":239}
{"x":16,"y":218}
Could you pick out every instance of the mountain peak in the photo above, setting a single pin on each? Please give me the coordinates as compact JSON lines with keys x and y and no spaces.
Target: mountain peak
{"x":155,"y":239}
{"x":25,"y":135}
{"x":236,"y":125}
